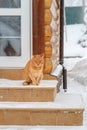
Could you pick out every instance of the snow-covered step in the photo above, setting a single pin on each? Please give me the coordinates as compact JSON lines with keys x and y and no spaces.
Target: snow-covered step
{"x":13,"y":90}
{"x":66,"y":110}
{"x":43,"y":128}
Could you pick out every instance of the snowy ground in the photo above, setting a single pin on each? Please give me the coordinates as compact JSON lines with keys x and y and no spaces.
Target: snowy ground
{"x":74,"y":33}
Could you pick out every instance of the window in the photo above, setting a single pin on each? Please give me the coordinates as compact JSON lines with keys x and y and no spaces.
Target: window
{"x":15,"y":33}
{"x":74,"y":10}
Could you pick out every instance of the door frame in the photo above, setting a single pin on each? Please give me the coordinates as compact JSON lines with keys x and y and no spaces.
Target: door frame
{"x":38,"y":26}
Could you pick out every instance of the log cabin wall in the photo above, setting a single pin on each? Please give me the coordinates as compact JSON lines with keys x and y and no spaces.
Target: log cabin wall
{"x":51,"y":34}
{"x":46,"y":32}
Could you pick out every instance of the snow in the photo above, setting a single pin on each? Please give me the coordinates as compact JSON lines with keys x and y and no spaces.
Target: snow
{"x":79,"y":72}
{"x":73,"y":51}
{"x":43,"y":128}
{"x":75,"y":54}
{"x":57,"y":71}
{"x":71,"y":46}
{"x":18,"y":84}
{"x":69,"y":63}
{"x":63,"y":100}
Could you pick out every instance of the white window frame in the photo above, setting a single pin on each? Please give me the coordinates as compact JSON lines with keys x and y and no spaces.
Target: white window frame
{"x":26,"y":30}
{"x":73,"y":3}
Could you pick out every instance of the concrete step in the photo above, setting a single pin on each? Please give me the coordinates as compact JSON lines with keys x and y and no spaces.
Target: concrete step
{"x":11,"y":90}
{"x":67,"y":110}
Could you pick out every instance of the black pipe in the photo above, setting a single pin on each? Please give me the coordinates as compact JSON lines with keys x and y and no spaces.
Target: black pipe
{"x":61,"y":32}
{"x":61,"y":60}
{"x":64,"y":79}
{"x":64,"y":70}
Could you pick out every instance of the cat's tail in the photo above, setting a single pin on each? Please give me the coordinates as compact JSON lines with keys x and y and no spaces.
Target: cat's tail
{"x":25,"y":83}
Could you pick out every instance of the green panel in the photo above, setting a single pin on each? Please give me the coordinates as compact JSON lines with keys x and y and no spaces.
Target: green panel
{"x":74,"y":15}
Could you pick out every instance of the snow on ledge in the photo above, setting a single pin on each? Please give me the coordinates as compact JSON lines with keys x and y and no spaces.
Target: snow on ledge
{"x":57,"y":71}
{"x":18,"y":84}
{"x":64,"y":101}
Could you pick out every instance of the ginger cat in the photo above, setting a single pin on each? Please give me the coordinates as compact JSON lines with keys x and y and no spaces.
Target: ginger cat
{"x":34,"y":70}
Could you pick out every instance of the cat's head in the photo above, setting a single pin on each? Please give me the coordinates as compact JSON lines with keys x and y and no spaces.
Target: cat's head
{"x":38,"y":60}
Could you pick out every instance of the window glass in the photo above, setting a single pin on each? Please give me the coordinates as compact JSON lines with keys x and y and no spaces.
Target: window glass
{"x":10,"y":3}
{"x":10,"y":26}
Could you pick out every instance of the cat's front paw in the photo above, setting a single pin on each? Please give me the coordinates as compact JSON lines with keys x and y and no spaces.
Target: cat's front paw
{"x":36,"y":84}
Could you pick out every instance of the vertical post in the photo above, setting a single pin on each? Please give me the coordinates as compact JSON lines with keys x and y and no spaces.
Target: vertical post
{"x":61,"y":31}
{"x":35,"y":25}
{"x":64,"y":71}
{"x":64,"y":79}
{"x":66,"y":38}
{"x":38,"y":26}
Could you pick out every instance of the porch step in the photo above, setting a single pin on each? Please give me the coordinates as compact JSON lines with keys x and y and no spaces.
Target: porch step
{"x":67,"y":110}
{"x":11,"y":90}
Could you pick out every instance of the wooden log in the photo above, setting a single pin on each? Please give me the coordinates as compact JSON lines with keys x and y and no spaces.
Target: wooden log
{"x":54,"y":63}
{"x":58,"y":12}
{"x":54,"y":25}
{"x":48,"y":4}
{"x":58,"y":42}
{"x":54,"y":51}
{"x":48,"y":49}
{"x":55,"y":45}
{"x":49,"y":77}
{"x":48,"y":33}
{"x":55,"y":4}
{"x":54,"y":12}
{"x":47,"y":17}
{"x":48,"y":66}
{"x":54,"y":38}
{"x":58,"y":32}
{"x":56,"y":56}
{"x":58,"y":22}
{"x":54,"y":60}
{"x":58,"y":52}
